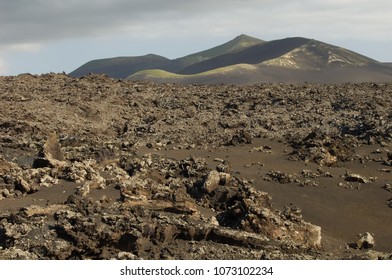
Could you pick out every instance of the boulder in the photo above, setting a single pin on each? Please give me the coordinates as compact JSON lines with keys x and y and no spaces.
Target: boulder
{"x":350,"y":177}
{"x":51,"y":154}
{"x":212,"y":181}
{"x":84,"y":190}
{"x":22,"y":185}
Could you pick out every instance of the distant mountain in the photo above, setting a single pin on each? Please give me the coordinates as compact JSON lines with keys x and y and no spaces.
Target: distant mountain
{"x":120,"y":67}
{"x":248,"y":60}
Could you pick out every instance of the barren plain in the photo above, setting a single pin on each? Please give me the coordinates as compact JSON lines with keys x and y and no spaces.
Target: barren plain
{"x":100,"y":168}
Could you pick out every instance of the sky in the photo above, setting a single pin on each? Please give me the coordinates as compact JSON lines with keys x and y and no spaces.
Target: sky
{"x":42,"y":36}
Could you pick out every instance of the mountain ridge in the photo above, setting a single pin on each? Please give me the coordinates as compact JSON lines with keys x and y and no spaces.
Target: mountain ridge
{"x":248,"y":60}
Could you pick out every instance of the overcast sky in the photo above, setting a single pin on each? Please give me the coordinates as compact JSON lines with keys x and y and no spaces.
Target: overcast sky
{"x":40,"y":36}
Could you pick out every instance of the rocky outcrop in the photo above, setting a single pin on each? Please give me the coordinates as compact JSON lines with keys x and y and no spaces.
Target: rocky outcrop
{"x":366,"y":241}
{"x":161,"y":204}
{"x":51,"y":154}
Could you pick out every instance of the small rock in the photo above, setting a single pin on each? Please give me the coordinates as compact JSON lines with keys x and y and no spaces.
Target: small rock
{"x":365,"y":241}
{"x":17,"y":193}
{"x":47,"y":180}
{"x":51,"y":154}
{"x":388,"y":187}
{"x":224,"y":178}
{"x":22,"y":185}
{"x":313,"y":236}
{"x":350,"y":177}
{"x":127,"y":256}
{"x":33,"y":210}
{"x":213,"y":221}
{"x":84,"y":190}
{"x":223,"y":167}
{"x":385,"y":170}
{"x":280,"y":177}
{"x":293,"y":213}
{"x":212,"y":181}
{"x":5,"y":192}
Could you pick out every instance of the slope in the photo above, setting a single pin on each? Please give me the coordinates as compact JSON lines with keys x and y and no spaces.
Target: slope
{"x":239,"y":43}
{"x":316,"y":55}
{"x":251,"y":55}
{"x":241,"y":74}
{"x":234,"y":74}
{"x":120,"y":67}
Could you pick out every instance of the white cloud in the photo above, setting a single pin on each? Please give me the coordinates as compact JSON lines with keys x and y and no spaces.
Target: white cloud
{"x":6,"y":51}
{"x":24,"y":47}
{"x":51,"y":20}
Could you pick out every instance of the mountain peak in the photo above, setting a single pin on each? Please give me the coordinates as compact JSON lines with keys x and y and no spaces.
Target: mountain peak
{"x":243,"y":41}
{"x":246,"y":37}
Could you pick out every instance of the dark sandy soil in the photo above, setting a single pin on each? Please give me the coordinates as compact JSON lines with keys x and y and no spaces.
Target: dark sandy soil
{"x":96,"y":168}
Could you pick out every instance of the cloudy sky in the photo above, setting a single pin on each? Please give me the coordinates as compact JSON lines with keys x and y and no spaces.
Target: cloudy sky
{"x":40,"y":36}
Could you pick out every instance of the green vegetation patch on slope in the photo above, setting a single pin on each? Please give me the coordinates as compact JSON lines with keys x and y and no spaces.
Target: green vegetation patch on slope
{"x":158,"y":74}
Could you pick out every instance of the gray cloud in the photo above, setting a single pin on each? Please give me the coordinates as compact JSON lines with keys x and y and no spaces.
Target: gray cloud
{"x":36,"y":21}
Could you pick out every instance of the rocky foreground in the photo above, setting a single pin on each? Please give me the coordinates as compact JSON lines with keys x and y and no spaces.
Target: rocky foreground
{"x":91,"y":168}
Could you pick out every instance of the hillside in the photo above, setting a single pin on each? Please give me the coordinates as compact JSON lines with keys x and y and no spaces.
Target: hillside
{"x":316,"y":55}
{"x":251,"y":55}
{"x":242,"y":74}
{"x":120,"y":67}
{"x":234,"y":74}
{"x":237,"y":44}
